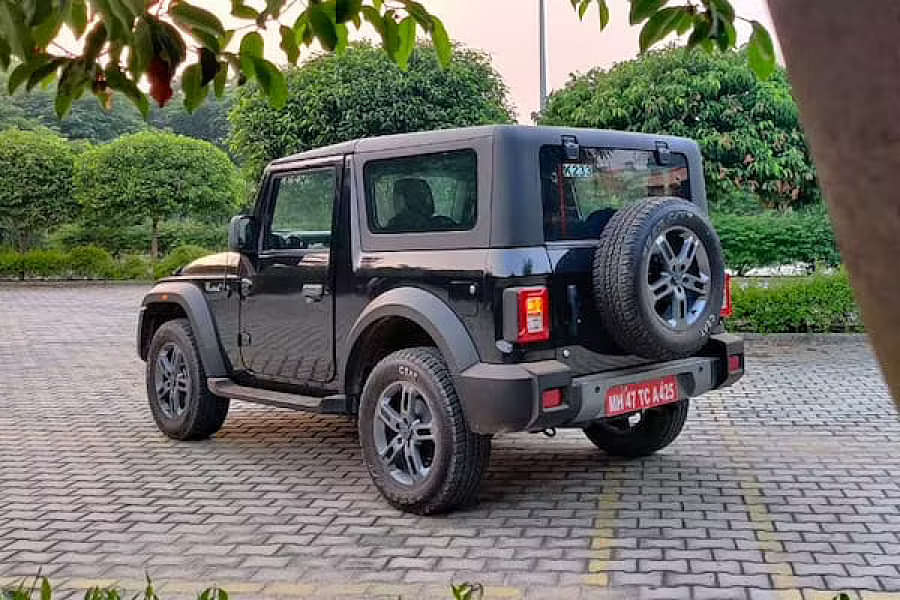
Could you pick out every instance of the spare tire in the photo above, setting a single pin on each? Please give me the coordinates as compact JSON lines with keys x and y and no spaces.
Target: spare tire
{"x":658,"y":278}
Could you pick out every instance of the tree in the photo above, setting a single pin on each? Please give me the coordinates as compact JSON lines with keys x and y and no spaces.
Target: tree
{"x":748,"y":129}
{"x":152,"y":176}
{"x":360,"y":93}
{"x":35,"y":183}
{"x":153,"y":35}
{"x":209,"y":122}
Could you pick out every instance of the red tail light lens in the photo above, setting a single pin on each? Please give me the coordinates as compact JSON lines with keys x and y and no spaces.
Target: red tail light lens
{"x":552,"y":398}
{"x":727,"y":308}
{"x":534,"y":315}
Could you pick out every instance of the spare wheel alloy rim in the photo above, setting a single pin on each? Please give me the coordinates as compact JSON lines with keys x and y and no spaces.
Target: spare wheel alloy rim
{"x":678,"y":278}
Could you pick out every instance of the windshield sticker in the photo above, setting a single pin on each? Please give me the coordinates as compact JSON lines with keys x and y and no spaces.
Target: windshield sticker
{"x":577,"y":171}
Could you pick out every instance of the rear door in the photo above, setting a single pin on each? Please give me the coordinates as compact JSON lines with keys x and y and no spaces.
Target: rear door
{"x":287,"y":312}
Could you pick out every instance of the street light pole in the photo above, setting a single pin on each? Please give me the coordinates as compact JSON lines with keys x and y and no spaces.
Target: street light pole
{"x":542,"y":20}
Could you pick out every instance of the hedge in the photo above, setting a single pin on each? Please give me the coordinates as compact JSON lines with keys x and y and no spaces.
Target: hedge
{"x":91,"y":262}
{"x":817,"y":304}
{"x":770,"y":239}
{"x":135,"y":239}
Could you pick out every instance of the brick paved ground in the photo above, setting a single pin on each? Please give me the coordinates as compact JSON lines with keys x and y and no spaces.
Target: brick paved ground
{"x":785,"y":484}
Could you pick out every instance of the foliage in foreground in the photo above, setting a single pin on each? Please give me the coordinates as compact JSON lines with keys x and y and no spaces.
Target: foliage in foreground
{"x":35,"y":183}
{"x":156,"y":176}
{"x":129,"y":41}
{"x":748,"y":130}
{"x":334,"y":98}
{"x":817,"y":304}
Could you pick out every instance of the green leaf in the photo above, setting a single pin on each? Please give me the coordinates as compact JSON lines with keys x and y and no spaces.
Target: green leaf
{"x":271,"y":81}
{"x":343,"y":36}
{"x":94,"y":42}
{"x":390,"y":39}
{"x":13,"y":28}
{"x":289,"y":44}
{"x":207,"y":40}
{"x":441,"y":42}
{"x":642,"y":10}
{"x":582,"y":8}
{"x":251,"y":47}
{"x":374,"y":18}
{"x":46,"y":590}
{"x":761,"y":52}
{"x":119,"y":82}
{"x":221,"y":79}
{"x":77,"y":17}
{"x":407,"y":42}
{"x":190,"y":16}
{"x":48,"y":28}
{"x":604,"y":13}
{"x":723,"y":8}
{"x":662,"y":24}
{"x":42,"y":72}
{"x":5,"y":52}
{"x":322,"y":26}
{"x":344,"y":10}
{"x":21,"y":73}
{"x":242,"y":11}
{"x":192,"y":86}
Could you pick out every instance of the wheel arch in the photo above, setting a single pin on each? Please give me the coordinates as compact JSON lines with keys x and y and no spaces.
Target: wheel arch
{"x":400,"y":318}
{"x":173,"y":300}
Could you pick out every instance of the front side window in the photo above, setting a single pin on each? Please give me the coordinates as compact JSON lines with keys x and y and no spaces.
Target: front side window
{"x":580,"y":196}
{"x":301,"y":216}
{"x":430,"y":192}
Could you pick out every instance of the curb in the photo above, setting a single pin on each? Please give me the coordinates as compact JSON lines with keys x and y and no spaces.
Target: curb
{"x":806,"y":338}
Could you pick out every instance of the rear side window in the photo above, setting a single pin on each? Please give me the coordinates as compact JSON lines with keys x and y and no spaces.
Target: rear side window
{"x":580,"y":196}
{"x":430,"y":192}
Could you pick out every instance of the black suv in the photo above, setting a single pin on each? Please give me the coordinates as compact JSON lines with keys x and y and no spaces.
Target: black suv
{"x":449,"y":285}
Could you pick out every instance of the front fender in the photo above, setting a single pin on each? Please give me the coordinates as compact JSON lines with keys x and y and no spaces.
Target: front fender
{"x":190,"y":299}
{"x":428,"y":312}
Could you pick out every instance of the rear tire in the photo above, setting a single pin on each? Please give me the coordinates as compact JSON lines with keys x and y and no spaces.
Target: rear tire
{"x":181,"y":404}
{"x":416,"y":444}
{"x":657,"y":429}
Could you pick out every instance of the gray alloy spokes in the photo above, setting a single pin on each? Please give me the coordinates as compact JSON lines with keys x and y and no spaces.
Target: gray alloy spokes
{"x":172,"y":381}
{"x":404,"y":437}
{"x":678,"y":279}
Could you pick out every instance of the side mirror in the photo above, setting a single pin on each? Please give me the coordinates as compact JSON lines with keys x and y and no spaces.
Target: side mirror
{"x":242,"y":233}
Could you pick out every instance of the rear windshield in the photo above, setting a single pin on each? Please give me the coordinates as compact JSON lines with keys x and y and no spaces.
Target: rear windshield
{"x":579,"y":197}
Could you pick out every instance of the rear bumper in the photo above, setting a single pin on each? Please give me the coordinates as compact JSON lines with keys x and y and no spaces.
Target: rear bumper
{"x":507,"y":397}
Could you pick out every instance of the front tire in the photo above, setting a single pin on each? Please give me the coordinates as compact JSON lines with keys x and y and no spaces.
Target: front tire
{"x":181,"y":404}
{"x":657,"y":429}
{"x":416,"y":444}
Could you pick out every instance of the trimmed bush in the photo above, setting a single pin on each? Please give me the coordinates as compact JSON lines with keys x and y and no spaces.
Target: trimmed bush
{"x":134,"y":266}
{"x":770,"y":239}
{"x":178,"y":258}
{"x":135,"y":239}
{"x":91,"y":262}
{"x":817,"y":304}
{"x":45,"y":263}
{"x":11,"y":264}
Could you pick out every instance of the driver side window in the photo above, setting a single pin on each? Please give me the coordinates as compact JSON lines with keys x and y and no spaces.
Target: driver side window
{"x":302,"y":212}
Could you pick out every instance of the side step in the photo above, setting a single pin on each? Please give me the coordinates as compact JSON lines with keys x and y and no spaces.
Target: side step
{"x":222,"y":386}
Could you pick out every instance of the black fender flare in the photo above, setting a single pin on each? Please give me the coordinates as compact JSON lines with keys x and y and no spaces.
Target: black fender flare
{"x":428,"y":312}
{"x":190,"y":298}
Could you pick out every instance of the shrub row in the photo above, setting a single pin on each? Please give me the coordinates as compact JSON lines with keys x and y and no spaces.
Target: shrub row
{"x":91,"y":262}
{"x":817,"y":304}
{"x":770,"y":239}
{"x":135,"y":239}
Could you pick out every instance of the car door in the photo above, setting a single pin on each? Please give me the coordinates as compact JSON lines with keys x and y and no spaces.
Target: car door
{"x":287,"y":310}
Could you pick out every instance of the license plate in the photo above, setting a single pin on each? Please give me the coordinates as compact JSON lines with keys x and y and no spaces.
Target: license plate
{"x":633,"y":397}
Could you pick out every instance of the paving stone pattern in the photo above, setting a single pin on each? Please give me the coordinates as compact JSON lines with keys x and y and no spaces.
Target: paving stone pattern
{"x":784,"y":486}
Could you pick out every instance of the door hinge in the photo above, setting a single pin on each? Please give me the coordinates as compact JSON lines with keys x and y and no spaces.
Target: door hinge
{"x":244,"y":339}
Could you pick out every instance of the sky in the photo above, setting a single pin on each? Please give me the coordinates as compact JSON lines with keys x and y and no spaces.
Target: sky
{"x":508,"y":31}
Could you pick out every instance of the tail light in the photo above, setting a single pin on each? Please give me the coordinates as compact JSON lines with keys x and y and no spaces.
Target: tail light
{"x":727,"y":308}
{"x":534,"y":314}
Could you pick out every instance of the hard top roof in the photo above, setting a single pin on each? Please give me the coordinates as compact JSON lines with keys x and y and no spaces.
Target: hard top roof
{"x":521,"y":133}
